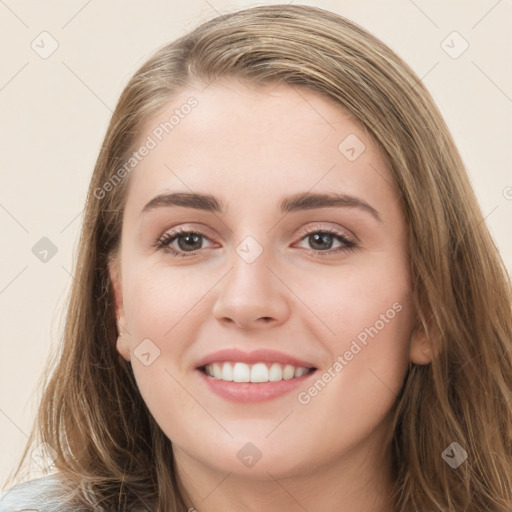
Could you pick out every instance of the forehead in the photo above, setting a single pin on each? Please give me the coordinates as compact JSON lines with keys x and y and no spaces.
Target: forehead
{"x":249,"y":143}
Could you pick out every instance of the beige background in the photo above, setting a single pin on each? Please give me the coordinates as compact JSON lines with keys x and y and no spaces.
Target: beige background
{"x":55,"y":112}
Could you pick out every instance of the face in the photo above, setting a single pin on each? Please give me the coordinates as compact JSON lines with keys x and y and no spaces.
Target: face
{"x":268,"y":330}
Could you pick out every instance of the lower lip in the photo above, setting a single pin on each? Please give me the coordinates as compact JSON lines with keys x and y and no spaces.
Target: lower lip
{"x":252,"y":391}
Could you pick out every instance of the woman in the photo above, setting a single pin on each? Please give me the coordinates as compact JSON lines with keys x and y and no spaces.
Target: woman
{"x":286,"y":297}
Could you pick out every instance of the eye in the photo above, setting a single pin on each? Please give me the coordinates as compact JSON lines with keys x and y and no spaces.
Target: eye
{"x":318,"y":237}
{"x":321,"y":241}
{"x":189,"y":242}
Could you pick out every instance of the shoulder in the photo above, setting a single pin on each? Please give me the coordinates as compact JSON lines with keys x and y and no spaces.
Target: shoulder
{"x":43,"y":494}
{"x":46,"y":494}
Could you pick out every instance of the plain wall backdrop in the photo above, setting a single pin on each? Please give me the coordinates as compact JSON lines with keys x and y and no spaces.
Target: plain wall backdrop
{"x":64,"y":65}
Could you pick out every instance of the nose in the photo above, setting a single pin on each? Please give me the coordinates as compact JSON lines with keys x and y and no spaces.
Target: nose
{"x":252,"y":296}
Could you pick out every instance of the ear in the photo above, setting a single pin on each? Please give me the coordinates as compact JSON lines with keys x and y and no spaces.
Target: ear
{"x":421,"y":348}
{"x":122,"y":345}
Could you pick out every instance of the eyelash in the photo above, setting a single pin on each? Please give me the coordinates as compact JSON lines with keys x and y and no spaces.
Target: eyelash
{"x":163,"y":243}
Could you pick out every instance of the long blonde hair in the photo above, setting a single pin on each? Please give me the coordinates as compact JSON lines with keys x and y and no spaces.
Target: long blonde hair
{"x":92,"y":413}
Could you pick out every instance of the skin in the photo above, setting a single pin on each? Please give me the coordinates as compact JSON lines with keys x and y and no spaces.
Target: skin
{"x":250,"y":147}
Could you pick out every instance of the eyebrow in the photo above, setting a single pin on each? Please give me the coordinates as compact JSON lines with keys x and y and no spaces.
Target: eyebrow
{"x":294,"y":203}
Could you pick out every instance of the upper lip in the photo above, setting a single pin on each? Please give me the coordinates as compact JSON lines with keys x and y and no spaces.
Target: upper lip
{"x":254,"y":356}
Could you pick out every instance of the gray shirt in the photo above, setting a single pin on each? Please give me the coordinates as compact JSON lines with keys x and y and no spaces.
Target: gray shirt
{"x":44,"y":494}
{"x":40,"y":494}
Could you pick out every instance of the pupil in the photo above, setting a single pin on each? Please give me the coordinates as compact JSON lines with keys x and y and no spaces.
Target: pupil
{"x":324,"y":238}
{"x":194,"y":238}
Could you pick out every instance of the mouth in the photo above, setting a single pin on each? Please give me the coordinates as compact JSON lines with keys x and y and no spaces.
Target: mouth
{"x":258,"y":373}
{"x":252,"y":376}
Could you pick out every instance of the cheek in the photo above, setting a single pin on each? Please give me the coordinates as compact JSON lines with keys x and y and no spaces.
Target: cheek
{"x":159,"y":301}
{"x":356,"y":301}
{"x":370,"y":312}
{"x":159,"y":308}
{"x":367,"y":317}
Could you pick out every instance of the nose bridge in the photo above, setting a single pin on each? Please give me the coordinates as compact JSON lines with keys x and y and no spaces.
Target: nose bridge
{"x":251,"y":291}
{"x":250,"y":273}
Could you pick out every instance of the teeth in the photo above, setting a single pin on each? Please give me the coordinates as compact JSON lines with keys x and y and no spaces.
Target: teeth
{"x":299,"y":372}
{"x":241,"y":373}
{"x":227,"y":372}
{"x":217,"y":370}
{"x":288,"y":372}
{"x":259,"y":372}
{"x":275,"y":373}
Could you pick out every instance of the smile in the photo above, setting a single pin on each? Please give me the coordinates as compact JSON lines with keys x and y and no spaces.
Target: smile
{"x":256,"y":373}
